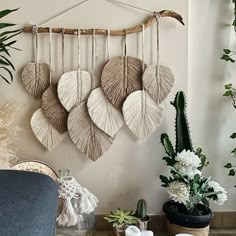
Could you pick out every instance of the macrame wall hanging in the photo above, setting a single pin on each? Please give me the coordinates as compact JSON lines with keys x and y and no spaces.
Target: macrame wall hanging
{"x":130,"y":92}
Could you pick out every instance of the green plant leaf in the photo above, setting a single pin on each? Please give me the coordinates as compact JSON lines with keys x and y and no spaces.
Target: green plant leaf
{"x":7,"y":61}
{"x":205,"y":202}
{"x":232,"y":172}
{"x":228,"y":86}
{"x":4,"y":79}
{"x":7,"y":12}
{"x":9,"y":32}
{"x":4,"y":25}
{"x":228,"y":93}
{"x":234,"y":151}
{"x":228,"y":166}
{"x":164,"y":180}
{"x":9,"y":72}
{"x":167,"y":145}
{"x":227,"y":51}
{"x":233,"y":136}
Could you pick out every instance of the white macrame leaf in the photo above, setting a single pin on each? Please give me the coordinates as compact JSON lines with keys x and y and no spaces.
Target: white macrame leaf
{"x":120,"y":77}
{"x":47,"y":135}
{"x":159,"y":89}
{"x":36,"y":78}
{"x":141,"y":114}
{"x":70,"y":90}
{"x":105,"y":116}
{"x":53,"y":109}
{"x":87,"y":137}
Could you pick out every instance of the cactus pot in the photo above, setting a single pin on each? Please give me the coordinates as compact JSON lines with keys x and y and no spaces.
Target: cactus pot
{"x":143,"y":224}
{"x":178,"y":221}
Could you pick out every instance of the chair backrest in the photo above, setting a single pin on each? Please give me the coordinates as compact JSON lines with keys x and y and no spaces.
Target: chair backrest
{"x":28,"y":204}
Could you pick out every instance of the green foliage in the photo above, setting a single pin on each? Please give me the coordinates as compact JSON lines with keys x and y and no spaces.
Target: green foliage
{"x":183,"y":140}
{"x":167,"y":145}
{"x":6,"y":44}
{"x":120,"y":218}
{"x":203,"y":158}
{"x":141,"y":211}
{"x":228,"y":55}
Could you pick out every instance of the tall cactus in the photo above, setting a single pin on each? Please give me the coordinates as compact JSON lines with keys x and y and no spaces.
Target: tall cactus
{"x":183,"y":139}
{"x":141,"y":211}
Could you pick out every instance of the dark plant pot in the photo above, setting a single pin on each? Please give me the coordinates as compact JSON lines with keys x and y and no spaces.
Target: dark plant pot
{"x":177,"y":214}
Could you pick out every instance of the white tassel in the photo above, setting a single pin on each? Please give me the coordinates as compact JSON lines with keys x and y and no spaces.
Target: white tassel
{"x":68,"y":217}
{"x":92,"y":198}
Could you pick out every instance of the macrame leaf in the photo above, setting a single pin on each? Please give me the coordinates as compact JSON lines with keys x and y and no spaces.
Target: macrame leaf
{"x":120,"y":77}
{"x":70,"y":90}
{"x":151,"y":82}
{"x":87,"y":137}
{"x":36,"y":77}
{"x":142,"y":115}
{"x":103,"y":113}
{"x":53,"y":109}
{"x":47,"y":135}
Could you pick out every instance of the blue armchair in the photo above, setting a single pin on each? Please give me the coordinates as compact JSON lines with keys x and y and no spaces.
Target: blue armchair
{"x":28,"y":204}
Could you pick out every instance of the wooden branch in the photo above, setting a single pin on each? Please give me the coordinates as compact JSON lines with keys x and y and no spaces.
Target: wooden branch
{"x":148,"y":23}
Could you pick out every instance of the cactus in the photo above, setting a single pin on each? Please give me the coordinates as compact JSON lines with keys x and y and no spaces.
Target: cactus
{"x":183,"y":139}
{"x":141,"y":211}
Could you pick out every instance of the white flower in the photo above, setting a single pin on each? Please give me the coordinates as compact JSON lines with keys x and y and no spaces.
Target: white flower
{"x":187,"y":158}
{"x":222,"y":196}
{"x":178,"y":192}
{"x":187,"y":170}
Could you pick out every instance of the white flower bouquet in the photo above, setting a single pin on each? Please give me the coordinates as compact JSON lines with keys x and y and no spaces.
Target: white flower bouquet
{"x":186,"y":185}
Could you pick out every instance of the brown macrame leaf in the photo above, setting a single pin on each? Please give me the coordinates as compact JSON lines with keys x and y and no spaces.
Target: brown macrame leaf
{"x":87,"y":137}
{"x":47,"y":135}
{"x":142,"y":115}
{"x":105,"y":116}
{"x":120,"y":77}
{"x":70,"y":90}
{"x":160,"y":88}
{"x":53,"y":109}
{"x":36,"y":77}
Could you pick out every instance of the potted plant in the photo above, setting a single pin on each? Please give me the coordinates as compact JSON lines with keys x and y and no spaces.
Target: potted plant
{"x":7,"y":42}
{"x":120,"y":220}
{"x":190,"y":192}
{"x":141,"y":214}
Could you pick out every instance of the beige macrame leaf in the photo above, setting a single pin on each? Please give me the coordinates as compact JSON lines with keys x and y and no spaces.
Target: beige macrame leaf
{"x":53,"y":109}
{"x":70,"y":91}
{"x":105,"y":116}
{"x":47,"y":135}
{"x":142,"y":115}
{"x":120,"y":77}
{"x":158,"y":89}
{"x":87,"y":137}
{"x":36,"y":78}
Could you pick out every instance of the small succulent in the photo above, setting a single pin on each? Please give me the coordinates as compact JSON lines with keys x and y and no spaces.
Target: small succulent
{"x":120,"y":218}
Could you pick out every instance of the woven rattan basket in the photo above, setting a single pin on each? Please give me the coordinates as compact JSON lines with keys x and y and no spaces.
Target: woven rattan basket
{"x":174,"y":229}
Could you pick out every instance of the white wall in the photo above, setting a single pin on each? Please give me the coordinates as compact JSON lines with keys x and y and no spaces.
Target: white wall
{"x":129,"y":170}
{"x":212,"y":116}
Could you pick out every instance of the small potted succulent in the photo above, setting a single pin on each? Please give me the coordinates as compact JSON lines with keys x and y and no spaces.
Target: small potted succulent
{"x":141,"y":214}
{"x":120,"y":220}
{"x":189,"y":191}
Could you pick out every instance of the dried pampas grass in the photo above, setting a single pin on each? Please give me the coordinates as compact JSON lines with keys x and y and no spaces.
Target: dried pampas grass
{"x":8,"y":134}
{"x":103,"y":113}
{"x":53,"y":109}
{"x":87,"y":137}
{"x":120,"y":77}
{"x":142,"y":115}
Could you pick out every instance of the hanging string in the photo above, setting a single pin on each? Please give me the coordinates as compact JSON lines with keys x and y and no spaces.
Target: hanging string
{"x":79,"y":85}
{"x":144,"y":100}
{"x":63,"y":49}
{"x":125,"y":44}
{"x":132,"y":6}
{"x":62,"y":13}
{"x":158,"y":17}
{"x":93,"y":58}
{"x":35,"y":31}
{"x":50,"y":56}
{"x":108,"y":44}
